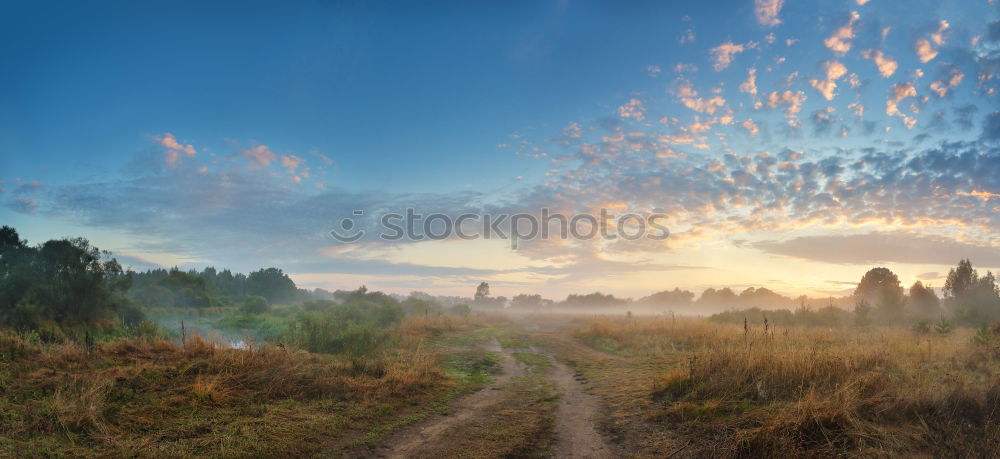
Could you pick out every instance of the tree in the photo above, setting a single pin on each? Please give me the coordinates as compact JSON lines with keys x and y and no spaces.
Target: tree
{"x":961,"y":280}
{"x":974,"y":299}
{"x":724,"y":297}
{"x":525,"y":301}
{"x":675,"y":297}
{"x":593,"y":300}
{"x":363,"y":294}
{"x":862,"y":313}
{"x":924,"y":302}
{"x":65,"y":281}
{"x":881,"y":287}
{"x":273,"y":284}
{"x":483,"y":299}
{"x":187,"y":290}
{"x":482,"y":291}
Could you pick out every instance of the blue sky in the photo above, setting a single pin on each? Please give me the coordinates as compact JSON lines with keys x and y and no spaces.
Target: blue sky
{"x":237,"y":134}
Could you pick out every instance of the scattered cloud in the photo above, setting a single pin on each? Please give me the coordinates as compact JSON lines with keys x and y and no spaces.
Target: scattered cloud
{"x":791,"y":100}
{"x":925,"y":48}
{"x":749,"y":85}
{"x":886,"y":65}
{"x":953,"y":79}
{"x":899,"y":92}
{"x":724,"y":54}
{"x":767,"y":11}
{"x":840,"y":41}
{"x":260,"y":155}
{"x":632,"y":109}
{"x":174,"y":149}
{"x":688,"y":96}
{"x":828,"y":87}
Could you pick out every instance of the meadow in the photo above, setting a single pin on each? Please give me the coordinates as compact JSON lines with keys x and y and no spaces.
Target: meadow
{"x":688,"y":387}
{"x":757,"y":390}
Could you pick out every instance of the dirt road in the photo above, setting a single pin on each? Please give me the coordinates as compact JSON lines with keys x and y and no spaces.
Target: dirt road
{"x":532,"y":409}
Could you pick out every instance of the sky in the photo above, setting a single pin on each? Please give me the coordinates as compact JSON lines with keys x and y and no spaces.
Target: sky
{"x":789,"y":144}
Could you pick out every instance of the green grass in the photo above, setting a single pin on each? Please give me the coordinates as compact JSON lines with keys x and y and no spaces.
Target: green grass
{"x":507,"y":338}
{"x":472,"y":370}
{"x":535,"y":361}
{"x":378,"y":432}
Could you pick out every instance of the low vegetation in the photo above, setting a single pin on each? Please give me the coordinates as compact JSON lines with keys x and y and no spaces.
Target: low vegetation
{"x":204,"y":398}
{"x":763,"y":391}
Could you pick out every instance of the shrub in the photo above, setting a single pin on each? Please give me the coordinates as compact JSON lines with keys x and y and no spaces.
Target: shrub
{"x":921,"y":327}
{"x":355,"y":328}
{"x":254,"y":304}
{"x":943,"y":327}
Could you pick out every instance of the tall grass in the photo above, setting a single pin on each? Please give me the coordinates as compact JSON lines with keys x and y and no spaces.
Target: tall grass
{"x":810,"y":391}
{"x":71,"y":400}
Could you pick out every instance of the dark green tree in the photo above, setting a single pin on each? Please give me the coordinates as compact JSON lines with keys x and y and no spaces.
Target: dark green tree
{"x":924,"y":303}
{"x":254,"y":304}
{"x":881,"y":287}
{"x":273,"y":284}
{"x":525,"y":301}
{"x":67,"y":281}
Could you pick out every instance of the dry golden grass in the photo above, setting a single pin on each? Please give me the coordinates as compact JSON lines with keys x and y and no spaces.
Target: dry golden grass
{"x":810,"y":391}
{"x":202,"y":398}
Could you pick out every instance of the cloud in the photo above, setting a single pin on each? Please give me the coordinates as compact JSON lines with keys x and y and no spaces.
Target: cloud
{"x":687,"y":37}
{"x":23,"y":187}
{"x":828,"y":86}
{"x":688,"y":96}
{"x":259,"y":155}
{"x":899,"y":92}
{"x":883,"y":247}
{"x":174,"y":149}
{"x":751,"y":127}
{"x":938,"y":36}
{"x":886,"y":65}
{"x":633,"y":109}
{"x":169,"y":141}
{"x":791,"y":100}
{"x":291,"y":162}
{"x":942,"y":86}
{"x":749,"y":85}
{"x":724,"y":54}
{"x":991,"y":126}
{"x":840,"y":41}
{"x":823,"y":120}
{"x":767,"y":11}
{"x":23,"y":205}
{"x":925,"y":49}
{"x":857,"y":108}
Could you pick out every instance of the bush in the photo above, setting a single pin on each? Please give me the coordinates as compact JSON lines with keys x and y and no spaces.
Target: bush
{"x":255,"y":305}
{"x":461,"y":310}
{"x":943,"y":327}
{"x":354,"y":328}
{"x":922,"y":327}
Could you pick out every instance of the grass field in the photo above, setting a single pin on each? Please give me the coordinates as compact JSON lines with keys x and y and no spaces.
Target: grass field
{"x":735,"y":391}
{"x":508,"y":387}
